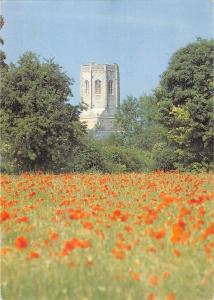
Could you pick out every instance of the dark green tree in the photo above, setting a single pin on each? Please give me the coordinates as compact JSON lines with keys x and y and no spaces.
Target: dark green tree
{"x":185,"y":103}
{"x":3,"y":65}
{"x":39,"y":127}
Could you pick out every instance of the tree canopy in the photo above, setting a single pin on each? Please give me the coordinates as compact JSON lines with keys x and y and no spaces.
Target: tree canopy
{"x":3,"y":65}
{"x":185,"y":103}
{"x":39,"y":126}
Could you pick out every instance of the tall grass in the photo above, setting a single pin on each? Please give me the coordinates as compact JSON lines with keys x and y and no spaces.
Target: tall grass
{"x":102,"y":237}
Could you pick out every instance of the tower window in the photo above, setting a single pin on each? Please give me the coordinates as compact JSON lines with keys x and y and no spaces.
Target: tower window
{"x":86,"y":87}
{"x":110,"y":87}
{"x":97,"y":87}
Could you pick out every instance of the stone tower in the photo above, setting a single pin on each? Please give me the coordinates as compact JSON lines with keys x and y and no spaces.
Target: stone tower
{"x":100,"y":91}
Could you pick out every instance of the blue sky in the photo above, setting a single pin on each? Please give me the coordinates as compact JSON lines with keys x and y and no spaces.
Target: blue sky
{"x":139,"y":35}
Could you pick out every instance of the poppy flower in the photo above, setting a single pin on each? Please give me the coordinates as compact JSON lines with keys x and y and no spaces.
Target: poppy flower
{"x":21,"y":242}
{"x":128,"y":229}
{"x":4,"y":215}
{"x":33,"y":255}
{"x":176,"y":252}
{"x":88,"y":225}
{"x":154,"y":280}
{"x":74,"y":243}
{"x":118,"y":254}
{"x":151,"y":296}
{"x":135,"y":276}
{"x":170,"y":296}
{"x":22,"y":220}
{"x":54,"y":236}
{"x":166,"y":274}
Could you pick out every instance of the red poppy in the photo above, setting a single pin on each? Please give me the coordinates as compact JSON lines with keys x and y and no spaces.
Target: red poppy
{"x":154,"y":280}
{"x":151,"y":296}
{"x":21,"y":242}
{"x":33,"y":255}
{"x":22,"y":220}
{"x":88,"y":225}
{"x":160,"y":234}
{"x":170,"y":296}
{"x":74,"y":243}
{"x":136,"y":276}
{"x":166,"y":274}
{"x":4,"y":215}
{"x":118,"y":254}
{"x":54,"y":236}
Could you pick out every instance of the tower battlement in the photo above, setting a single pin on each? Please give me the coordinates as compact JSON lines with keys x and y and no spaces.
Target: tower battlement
{"x":100,"y":92}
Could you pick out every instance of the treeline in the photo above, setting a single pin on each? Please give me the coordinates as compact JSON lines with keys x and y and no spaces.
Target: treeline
{"x":170,"y":129}
{"x":174,"y":126}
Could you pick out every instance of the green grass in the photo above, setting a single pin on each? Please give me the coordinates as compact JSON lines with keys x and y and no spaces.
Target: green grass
{"x":94,"y":273}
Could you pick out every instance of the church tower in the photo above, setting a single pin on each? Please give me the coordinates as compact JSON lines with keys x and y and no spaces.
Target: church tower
{"x":100,"y":92}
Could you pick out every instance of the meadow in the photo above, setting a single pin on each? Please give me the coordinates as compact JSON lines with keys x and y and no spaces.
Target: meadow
{"x":102,"y":237}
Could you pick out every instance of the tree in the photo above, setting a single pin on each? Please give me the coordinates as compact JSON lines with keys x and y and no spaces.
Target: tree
{"x":185,"y":103}
{"x":127,"y":121}
{"x":3,"y":65}
{"x":137,"y":122}
{"x":39,"y":127}
{"x":139,"y":128}
{"x":86,"y":157}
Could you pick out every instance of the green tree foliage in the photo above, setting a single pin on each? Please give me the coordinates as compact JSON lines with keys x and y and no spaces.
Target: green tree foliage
{"x":3,"y":65}
{"x":106,"y":157}
{"x":118,"y":159}
{"x":185,"y":103}
{"x":137,"y":122}
{"x":86,"y":157}
{"x":39,"y":127}
{"x":127,"y":119}
{"x":138,"y":126}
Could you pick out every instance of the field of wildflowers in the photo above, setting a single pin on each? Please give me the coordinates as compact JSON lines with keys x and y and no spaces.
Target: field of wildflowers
{"x":101,"y":237}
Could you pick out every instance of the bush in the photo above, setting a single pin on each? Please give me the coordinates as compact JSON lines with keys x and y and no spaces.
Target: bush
{"x":100,"y":156}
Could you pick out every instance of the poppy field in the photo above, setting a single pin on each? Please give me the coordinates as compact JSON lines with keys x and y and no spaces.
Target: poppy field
{"x":107,"y":237}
